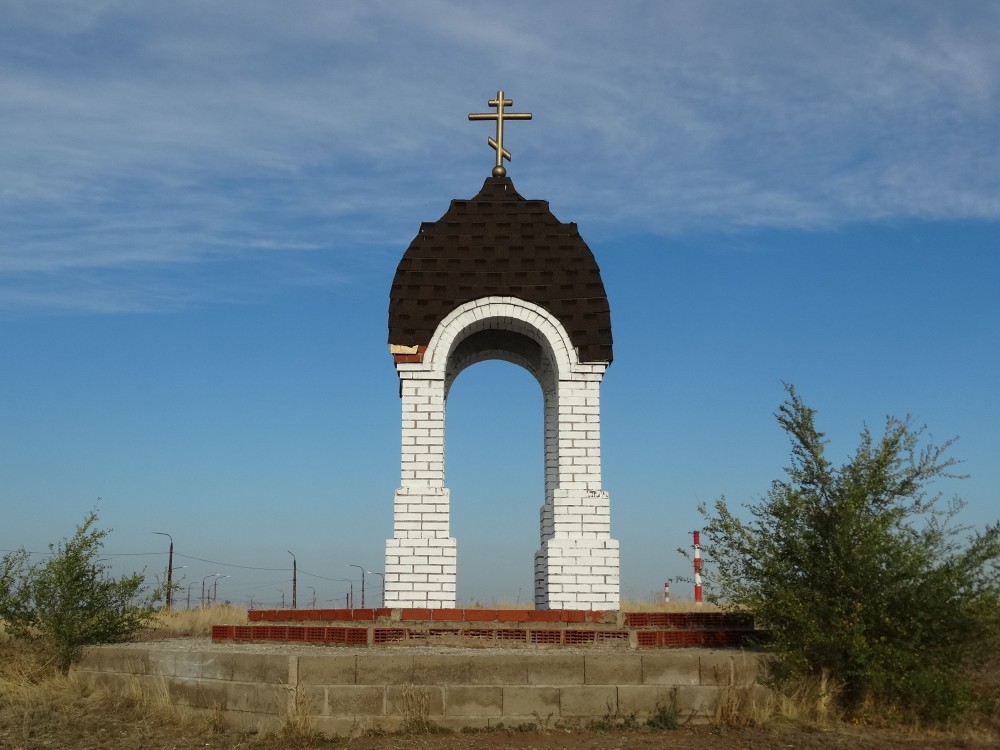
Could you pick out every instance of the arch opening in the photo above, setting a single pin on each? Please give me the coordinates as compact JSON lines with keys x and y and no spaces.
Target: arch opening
{"x":494,"y":468}
{"x":496,"y":344}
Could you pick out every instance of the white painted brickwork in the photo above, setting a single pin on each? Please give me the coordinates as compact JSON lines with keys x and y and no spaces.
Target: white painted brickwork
{"x":577,"y":566}
{"x":577,"y":573}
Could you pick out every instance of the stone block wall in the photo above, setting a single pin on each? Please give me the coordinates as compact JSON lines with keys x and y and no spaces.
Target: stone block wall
{"x":343,"y":692}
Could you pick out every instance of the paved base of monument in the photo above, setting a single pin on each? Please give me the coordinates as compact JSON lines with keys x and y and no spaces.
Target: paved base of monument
{"x":353,"y":689}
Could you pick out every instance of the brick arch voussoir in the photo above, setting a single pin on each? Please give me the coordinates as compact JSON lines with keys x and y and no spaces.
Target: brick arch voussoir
{"x":504,"y":313}
{"x":542,"y":374}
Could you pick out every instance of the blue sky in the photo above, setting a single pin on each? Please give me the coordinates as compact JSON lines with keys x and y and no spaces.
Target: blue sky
{"x":202,"y":205}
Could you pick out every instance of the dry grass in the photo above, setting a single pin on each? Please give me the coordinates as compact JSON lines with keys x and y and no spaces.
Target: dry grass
{"x":627,"y":605}
{"x":658,"y":605}
{"x":743,"y":702}
{"x":496,"y":604}
{"x":296,"y":730}
{"x":986,"y":686}
{"x":36,"y":700}
{"x":414,"y":708}
{"x":41,"y":708}
{"x":199,"y":621}
{"x":194,"y":623}
{"x":812,"y":700}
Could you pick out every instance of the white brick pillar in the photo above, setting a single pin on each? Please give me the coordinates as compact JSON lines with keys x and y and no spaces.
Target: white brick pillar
{"x":577,"y":565}
{"x":420,"y":568}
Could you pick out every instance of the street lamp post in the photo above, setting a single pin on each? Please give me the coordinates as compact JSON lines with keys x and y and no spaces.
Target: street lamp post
{"x":203,"y":586}
{"x":189,"y":594}
{"x":349,"y":565}
{"x":350,"y":599}
{"x":294,"y":581}
{"x":382,"y":576}
{"x":314,"y":596}
{"x":215,"y":588}
{"x":170,"y":568}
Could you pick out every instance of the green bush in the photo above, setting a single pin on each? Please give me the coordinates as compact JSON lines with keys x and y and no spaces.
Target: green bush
{"x":69,"y":601}
{"x":860,"y":574}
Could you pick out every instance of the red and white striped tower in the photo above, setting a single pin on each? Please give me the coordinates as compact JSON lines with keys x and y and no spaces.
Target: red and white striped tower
{"x":666,"y":591}
{"x":697,"y":567}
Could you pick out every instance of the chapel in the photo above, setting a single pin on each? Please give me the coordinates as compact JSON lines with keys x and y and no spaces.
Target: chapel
{"x":498,"y":276}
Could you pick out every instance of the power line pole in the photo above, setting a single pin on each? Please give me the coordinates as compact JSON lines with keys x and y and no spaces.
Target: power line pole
{"x":170,"y":568}
{"x":362,"y":583}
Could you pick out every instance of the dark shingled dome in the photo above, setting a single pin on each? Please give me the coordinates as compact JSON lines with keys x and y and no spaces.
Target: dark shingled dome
{"x":499,"y":244}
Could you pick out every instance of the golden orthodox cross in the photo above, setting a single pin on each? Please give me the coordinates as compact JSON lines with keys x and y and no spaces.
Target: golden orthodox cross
{"x":500,"y":116}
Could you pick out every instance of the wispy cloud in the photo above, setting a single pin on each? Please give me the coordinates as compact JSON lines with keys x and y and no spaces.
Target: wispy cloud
{"x":137,"y":137}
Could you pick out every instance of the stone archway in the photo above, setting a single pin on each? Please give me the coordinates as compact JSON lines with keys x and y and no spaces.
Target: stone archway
{"x":499,"y":277}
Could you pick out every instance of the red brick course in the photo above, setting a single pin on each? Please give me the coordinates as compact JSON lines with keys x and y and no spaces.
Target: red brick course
{"x":361,"y":627}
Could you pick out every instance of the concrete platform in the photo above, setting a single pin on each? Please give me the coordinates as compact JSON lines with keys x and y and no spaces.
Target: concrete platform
{"x":348,"y":690}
